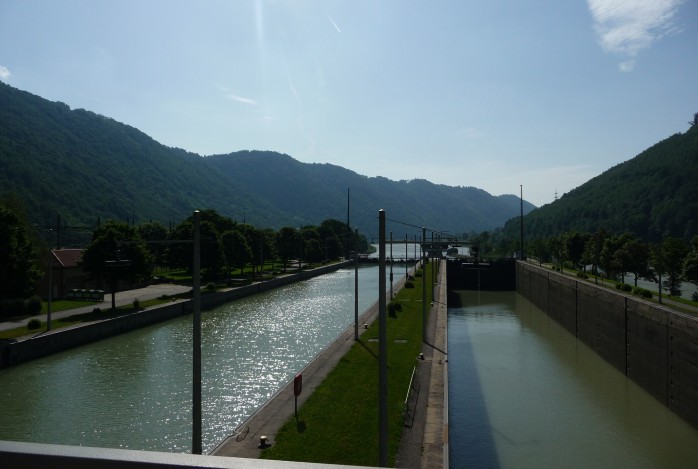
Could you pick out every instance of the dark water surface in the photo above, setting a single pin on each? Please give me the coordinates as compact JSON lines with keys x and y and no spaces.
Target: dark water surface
{"x":524,"y":393}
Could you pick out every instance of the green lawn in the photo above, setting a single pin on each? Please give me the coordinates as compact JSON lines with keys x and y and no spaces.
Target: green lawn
{"x":338,"y":423}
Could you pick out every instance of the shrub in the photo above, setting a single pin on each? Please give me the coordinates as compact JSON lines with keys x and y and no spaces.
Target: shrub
{"x":418,"y":273}
{"x":210,"y":286}
{"x":391,"y":309}
{"x":625,"y":287}
{"x":96,"y":310}
{"x":398,"y":306}
{"x":409,"y":284}
{"x":646,"y":293}
{"x":34,"y":324}
{"x":33,"y":305}
{"x":136,"y":303}
{"x":694,"y":296}
{"x":582,"y":275}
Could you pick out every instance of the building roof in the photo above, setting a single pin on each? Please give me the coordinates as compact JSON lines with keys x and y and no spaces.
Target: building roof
{"x":67,"y":257}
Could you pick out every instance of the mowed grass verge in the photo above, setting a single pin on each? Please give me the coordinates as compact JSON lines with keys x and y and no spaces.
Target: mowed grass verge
{"x":338,"y":424}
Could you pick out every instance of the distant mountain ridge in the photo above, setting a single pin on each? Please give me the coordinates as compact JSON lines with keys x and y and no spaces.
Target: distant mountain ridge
{"x":85,"y":167}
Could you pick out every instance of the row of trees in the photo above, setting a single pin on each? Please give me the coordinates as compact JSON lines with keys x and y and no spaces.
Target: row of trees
{"x":122,"y":251}
{"x":671,"y":261}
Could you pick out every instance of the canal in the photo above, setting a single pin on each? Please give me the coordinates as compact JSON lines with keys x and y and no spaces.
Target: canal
{"x":134,"y":390}
{"x":523,"y":392}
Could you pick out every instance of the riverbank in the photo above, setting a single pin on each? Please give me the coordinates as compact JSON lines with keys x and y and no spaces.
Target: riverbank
{"x":16,"y":351}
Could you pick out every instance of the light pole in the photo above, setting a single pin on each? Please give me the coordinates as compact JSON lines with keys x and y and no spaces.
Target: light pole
{"x":196,"y":297}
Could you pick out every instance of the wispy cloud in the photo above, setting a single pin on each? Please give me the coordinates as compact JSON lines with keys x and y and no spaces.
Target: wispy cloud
{"x":240,"y":99}
{"x":626,"y":27}
{"x":4,"y":73}
{"x":334,"y":24}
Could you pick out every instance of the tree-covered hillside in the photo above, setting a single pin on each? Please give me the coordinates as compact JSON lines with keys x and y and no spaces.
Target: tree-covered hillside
{"x":86,"y":167}
{"x":323,"y":189}
{"x":653,"y":195}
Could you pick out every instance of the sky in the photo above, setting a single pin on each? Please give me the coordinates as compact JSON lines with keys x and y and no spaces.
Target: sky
{"x":537,"y":96}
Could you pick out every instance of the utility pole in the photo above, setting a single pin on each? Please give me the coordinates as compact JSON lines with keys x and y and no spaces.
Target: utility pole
{"x":196,"y":426}
{"x":382,"y":349}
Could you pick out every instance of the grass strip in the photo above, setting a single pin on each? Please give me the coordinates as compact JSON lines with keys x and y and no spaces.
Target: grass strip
{"x":338,"y":424}
{"x":96,"y":315}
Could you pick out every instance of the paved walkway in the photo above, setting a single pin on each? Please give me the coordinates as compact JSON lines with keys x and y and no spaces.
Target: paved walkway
{"x":122,"y":298}
{"x":423,"y":444}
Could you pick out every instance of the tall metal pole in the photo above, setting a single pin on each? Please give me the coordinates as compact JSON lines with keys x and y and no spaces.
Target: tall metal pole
{"x":356,"y":284}
{"x":424,"y":287}
{"x":196,"y":425}
{"x":49,"y":305}
{"x":382,"y":349}
{"x":391,"y":266}
{"x":522,"y":254}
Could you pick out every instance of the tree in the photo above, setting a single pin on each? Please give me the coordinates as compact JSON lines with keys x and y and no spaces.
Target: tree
{"x":19,"y":264}
{"x":574,"y":244}
{"x":593,"y":249}
{"x":156,"y":233}
{"x":674,"y":253}
{"x":287,"y":243}
{"x":633,"y":257}
{"x":690,"y":265}
{"x":237,"y":251}
{"x":117,"y":252}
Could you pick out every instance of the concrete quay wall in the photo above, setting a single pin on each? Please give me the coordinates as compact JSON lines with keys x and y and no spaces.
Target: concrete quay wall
{"x":16,"y":352}
{"x":652,"y":345}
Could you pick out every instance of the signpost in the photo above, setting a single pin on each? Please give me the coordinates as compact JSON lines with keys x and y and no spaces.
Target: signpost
{"x":297,"y":389}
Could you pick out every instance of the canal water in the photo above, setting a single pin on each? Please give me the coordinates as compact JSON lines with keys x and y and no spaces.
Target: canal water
{"x":134,"y":390}
{"x":524,"y":393}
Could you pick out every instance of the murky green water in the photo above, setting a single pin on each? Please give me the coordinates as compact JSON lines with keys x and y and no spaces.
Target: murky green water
{"x":524,"y":393}
{"x":134,"y":391}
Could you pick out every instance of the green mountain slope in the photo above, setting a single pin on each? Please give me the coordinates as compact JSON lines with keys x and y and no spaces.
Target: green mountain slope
{"x":86,"y":167}
{"x":654,"y":194}
{"x":323,"y":189}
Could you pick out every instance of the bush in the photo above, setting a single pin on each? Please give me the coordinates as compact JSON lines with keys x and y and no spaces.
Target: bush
{"x":391,"y":309}
{"x":33,"y":305}
{"x":409,"y":284}
{"x":210,"y":286}
{"x":582,"y":275}
{"x":398,"y":306}
{"x":646,"y":293}
{"x":694,"y":296}
{"x":625,"y":287}
{"x":34,"y":324}
{"x":136,"y":303}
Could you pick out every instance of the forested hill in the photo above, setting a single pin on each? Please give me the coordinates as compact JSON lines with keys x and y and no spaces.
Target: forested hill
{"x":322,"y":189}
{"x":86,"y":167}
{"x":652,"y":195}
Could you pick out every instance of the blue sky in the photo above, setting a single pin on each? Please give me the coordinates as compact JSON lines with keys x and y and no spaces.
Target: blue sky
{"x":493,"y":94}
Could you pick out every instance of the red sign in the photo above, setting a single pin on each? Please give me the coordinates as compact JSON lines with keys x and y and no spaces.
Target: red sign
{"x":298,"y":384}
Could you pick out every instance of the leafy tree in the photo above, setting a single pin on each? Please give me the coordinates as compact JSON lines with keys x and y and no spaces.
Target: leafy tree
{"x":633,"y":257}
{"x":611,"y":262}
{"x":155,"y":234}
{"x":287,"y":244}
{"x":117,"y":252}
{"x":237,"y":251}
{"x":690,"y":266}
{"x":574,"y":243}
{"x":19,"y":265}
{"x":593,"y":249}
{"x":674,"y":252}
{"x":180,"y":252}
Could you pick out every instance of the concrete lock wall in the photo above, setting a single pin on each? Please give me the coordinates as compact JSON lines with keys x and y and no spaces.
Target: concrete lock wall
{"x":654,"y":346}
{"x":16,"y":352}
